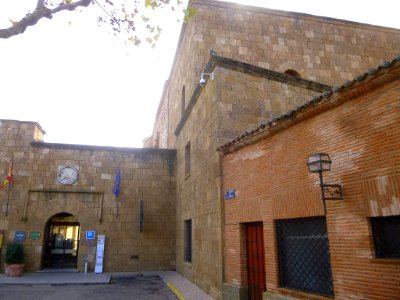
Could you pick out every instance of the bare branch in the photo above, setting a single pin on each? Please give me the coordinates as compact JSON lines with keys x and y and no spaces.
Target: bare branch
{"x":40,"y":4}
{"x":40,"y":12}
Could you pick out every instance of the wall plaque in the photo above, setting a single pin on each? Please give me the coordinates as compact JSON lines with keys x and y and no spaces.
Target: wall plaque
{"x":34,"y":235}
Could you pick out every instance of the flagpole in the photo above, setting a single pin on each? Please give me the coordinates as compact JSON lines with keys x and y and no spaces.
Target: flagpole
{"x":116,"y":201}
{"x":116,"y":186}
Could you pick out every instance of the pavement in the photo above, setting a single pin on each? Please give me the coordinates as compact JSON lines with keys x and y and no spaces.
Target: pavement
{"x":182,"y":287}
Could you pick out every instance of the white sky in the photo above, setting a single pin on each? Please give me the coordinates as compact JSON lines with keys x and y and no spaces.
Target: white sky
{"x":85,"y":86}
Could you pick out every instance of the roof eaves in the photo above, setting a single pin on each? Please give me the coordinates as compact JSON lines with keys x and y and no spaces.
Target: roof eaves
{"x":284,"y":120}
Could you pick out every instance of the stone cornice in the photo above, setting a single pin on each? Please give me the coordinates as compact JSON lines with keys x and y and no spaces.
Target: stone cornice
{"x":238,"y":66}
{"x":156,"y":151}
{"x":364,"y":83}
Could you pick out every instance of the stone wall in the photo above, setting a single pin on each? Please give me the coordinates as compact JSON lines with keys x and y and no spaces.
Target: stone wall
{"x":36,"y":196}
{"x":319,"y":49}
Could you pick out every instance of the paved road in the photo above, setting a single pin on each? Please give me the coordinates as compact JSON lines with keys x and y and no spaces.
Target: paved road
{"x":146,"y":287}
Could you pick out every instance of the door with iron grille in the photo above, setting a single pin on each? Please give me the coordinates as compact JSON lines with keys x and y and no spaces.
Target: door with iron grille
{"x":303,"y":255}
{"x":255,"y":260}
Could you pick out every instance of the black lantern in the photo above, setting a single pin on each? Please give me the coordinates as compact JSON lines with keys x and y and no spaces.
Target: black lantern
{"x":319,"y":163}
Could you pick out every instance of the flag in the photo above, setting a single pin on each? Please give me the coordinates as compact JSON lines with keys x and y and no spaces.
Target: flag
{"x":9,"y":177}
{"x":117,"y":182}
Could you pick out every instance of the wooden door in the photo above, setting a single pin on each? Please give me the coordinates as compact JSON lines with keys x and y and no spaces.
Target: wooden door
{"x":255,"y":260}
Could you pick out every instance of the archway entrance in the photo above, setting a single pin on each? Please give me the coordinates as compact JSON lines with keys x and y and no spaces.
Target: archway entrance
{"x":61,"y":242}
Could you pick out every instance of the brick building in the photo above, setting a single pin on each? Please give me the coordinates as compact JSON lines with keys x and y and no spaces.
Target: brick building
{"x":264,"y":63}
{"x":352,"y":250}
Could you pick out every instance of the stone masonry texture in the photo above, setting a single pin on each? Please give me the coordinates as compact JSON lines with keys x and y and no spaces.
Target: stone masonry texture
{"x":320,"y":49}
{"x":36,"y":196}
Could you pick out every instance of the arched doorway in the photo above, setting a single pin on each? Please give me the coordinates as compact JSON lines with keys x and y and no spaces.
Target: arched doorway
{"x":61,"y":242}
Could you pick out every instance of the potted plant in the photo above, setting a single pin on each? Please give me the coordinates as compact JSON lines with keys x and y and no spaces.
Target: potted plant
{"x":14,"y":259}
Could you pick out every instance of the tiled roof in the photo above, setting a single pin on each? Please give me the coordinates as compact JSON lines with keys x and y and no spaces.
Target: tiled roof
{"x":242,"y":140}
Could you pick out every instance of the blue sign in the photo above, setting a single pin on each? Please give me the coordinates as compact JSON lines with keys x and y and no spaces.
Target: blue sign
{"x":90,"y":235}
{"x":230,"y":194}
{"x":20,"y":236}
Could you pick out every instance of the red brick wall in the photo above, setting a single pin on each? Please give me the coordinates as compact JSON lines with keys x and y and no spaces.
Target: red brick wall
{"x":362,"y":138}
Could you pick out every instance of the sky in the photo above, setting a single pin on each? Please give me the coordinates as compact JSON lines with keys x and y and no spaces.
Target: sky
{"x":85,"y":86}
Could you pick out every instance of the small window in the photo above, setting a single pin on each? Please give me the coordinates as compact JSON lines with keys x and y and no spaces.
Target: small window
{"x":188,"y":240}
{"x":386,"y":234}
{"x":183,"y":103}
{"x":187,"y":159}
{"x":292,"y":72}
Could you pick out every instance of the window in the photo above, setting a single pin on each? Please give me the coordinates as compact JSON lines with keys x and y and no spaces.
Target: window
{"x":187,"y":159}
{"x":183,"y":103}
{"x":303,"y":255}
{"x":386,"y":234}
{"x":292,"y":72}
{"x":188,"y":240}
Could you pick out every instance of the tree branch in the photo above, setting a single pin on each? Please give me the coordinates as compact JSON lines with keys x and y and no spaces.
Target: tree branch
{"x":40,"y":12}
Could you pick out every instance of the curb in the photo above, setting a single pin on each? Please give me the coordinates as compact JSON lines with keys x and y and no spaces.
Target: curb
{"x":173,"y":288}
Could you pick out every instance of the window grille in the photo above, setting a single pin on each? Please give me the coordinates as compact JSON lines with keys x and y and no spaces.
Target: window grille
{"x":188,"y":240}
{"x":303,"y":255}
{"x":386,"y":234}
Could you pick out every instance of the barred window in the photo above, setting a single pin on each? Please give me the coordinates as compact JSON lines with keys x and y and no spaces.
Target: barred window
{"x":386,"y":234}
{"x":188,"y":240}
{"x":303,"y":255}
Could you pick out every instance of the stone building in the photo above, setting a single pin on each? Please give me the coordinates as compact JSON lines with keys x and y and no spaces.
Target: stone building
{"x":61,"y":191}
{"x":256,"y":64}
{"x":264,"y":63}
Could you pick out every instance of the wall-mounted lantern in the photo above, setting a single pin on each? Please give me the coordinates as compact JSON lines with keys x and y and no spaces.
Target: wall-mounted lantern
{"x":319,"y":163}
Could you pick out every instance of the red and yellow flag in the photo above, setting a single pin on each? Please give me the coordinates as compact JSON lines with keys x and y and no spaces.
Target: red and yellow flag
{"x":9,"y":177}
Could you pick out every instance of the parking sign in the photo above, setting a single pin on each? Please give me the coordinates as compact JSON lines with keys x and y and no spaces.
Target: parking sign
{"x":90,"y":234}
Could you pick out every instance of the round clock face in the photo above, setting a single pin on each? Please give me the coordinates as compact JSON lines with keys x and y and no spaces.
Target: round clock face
{"x":67,"y":175}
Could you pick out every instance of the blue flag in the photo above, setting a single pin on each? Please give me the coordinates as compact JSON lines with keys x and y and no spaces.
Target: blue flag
{"x":117,"y":181}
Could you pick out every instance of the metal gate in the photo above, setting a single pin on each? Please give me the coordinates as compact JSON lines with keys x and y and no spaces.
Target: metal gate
{"x":255,"y":260}
{"x":303,"y":253}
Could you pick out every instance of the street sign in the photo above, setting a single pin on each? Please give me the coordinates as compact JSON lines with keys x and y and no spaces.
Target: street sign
{"x":230,"y":194}
{"x":20,"y":236}
{"x":101,"y":240}
{"x":90,"y":234}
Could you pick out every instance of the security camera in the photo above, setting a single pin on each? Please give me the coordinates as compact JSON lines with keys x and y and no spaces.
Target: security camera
{"x":203,"y":81}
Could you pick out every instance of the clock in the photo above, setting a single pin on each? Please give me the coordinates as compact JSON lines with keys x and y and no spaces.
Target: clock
{"x":67,"y":175}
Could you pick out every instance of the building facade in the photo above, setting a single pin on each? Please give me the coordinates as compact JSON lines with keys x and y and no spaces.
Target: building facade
{"x":258,"y":64}
{"x":279,"y":240}
{"x":253,"y":54}
{"x":61,"y":191}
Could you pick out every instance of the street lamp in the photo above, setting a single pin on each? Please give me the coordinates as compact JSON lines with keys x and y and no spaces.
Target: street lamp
{"x":319,"y":163}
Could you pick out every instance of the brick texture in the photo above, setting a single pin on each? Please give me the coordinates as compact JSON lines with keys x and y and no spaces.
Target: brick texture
{"x":361,"y":136}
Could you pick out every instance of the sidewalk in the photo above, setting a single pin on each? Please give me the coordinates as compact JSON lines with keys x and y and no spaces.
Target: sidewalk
{"x":183,"y":288}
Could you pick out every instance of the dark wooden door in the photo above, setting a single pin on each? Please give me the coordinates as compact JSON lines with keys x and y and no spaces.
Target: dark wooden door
{"x":255,"y":260}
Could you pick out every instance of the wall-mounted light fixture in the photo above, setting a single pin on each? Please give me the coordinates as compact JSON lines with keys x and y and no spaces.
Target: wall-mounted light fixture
{"x":319,"y":163}
{"x":202,"y":79}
